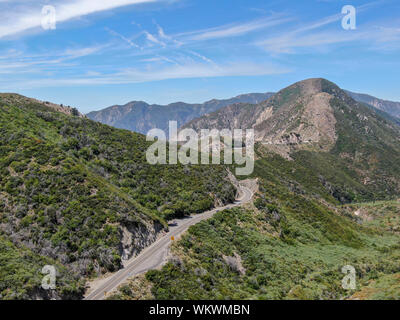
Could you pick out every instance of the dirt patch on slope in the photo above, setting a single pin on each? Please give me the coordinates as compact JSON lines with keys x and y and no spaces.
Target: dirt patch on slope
{"x":307,"y":123}
{"x":318,"y":121}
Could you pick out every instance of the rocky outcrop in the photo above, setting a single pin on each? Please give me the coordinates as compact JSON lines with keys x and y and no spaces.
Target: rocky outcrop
{"x":137,"y":236}
{"x":235,"y":263}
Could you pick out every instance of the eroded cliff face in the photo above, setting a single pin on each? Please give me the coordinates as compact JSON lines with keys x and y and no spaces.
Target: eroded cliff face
{"x":137,"y":236}
{"x":304,"y":123}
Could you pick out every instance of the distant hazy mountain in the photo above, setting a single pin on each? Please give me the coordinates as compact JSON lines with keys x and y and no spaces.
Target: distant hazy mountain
{"x":140,"y":117}
{"x":390,"y":107}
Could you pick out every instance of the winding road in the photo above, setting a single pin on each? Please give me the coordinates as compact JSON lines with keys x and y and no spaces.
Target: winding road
{"x":155,"y":255}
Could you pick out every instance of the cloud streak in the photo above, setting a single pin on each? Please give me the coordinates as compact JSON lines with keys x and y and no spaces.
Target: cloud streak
{"x":30,"y":17}
{"x":133,"y":75}
{"x":125,"y":39}
{"x":313,"y":35}
{"x":15,"y":62}
{"x":233,"y":30}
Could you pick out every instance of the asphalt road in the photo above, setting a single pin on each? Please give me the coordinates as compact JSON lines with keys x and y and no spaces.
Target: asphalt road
{"x":155,"y":255}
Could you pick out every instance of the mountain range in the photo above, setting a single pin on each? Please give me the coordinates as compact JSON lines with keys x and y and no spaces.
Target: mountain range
{"x":141,"y":117}
{"x":138,"y":116}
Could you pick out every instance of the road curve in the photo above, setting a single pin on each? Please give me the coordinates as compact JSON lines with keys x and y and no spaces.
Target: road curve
{"x":155,"y":255}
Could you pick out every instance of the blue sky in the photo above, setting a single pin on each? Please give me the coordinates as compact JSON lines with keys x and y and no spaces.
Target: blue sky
{"x":161,"y":51}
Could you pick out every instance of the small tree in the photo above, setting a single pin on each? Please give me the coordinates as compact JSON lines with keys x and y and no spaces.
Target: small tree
{"x":75,"y":112}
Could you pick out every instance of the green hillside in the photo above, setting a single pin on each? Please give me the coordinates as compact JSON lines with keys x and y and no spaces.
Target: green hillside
{"x":288,"y":245}
{"x":71,"y":188}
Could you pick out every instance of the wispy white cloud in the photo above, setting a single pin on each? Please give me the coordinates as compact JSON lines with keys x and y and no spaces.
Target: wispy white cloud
{"x":234,"y":30}
{"x":153,"y":39}
{"x":159,"y":58}
{"x":133,"y":75}
{"x":14,"y":62}
{"x":313,"y":35}
{"x":74,"y":53}
{"x":162,"y":35}
{"x":202,"y":57}
{"x":122,"y":37}
{"x":290,"y":43}
{"x":30,"y":15}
